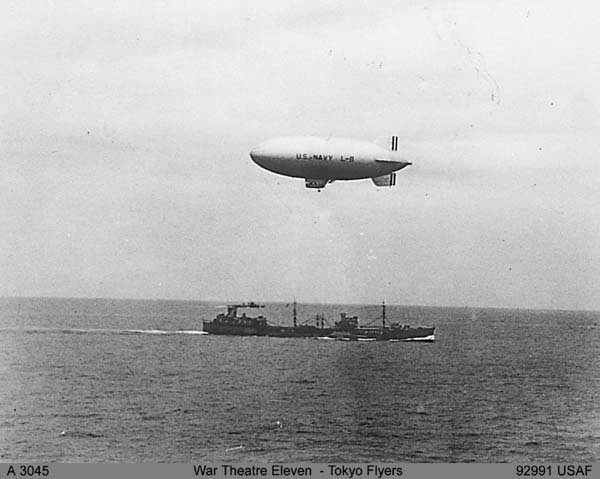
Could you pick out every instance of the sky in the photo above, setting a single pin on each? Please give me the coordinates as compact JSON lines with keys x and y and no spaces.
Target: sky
{"x":125,"y":129}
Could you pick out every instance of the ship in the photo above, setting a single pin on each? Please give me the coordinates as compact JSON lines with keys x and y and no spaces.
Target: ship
{"x":346,"y":329}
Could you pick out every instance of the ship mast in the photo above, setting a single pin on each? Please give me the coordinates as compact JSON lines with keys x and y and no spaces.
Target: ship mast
{"x":383,"y":313}
{"x":295,"y":314}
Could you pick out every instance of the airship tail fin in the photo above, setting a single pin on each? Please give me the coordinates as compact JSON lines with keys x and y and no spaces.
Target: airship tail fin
{"x":387,"y":142}
{"x":385,"y":180}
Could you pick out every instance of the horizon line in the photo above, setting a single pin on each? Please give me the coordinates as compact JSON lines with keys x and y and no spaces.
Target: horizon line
{"x":225,"y":302}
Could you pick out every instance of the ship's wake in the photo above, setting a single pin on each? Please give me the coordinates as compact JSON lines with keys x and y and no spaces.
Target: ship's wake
{"x":99,"y":331}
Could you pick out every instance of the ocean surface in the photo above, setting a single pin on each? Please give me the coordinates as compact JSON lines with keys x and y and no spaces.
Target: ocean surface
{"x":120,"y":380}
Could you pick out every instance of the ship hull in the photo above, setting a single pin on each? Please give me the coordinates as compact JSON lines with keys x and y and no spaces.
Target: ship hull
{"x":359,"y":334}
{"x":386,"y":334}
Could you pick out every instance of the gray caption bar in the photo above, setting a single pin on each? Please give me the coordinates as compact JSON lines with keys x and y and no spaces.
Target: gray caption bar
{"x":300,"y":470}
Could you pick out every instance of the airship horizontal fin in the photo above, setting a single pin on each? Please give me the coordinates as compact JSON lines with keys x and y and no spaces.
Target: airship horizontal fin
{"x":385,"y":160}
{"x":385,"y":180}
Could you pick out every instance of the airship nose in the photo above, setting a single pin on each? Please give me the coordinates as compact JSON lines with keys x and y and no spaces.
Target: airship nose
{"x":265,"y":154}
{"x":256,"y":154}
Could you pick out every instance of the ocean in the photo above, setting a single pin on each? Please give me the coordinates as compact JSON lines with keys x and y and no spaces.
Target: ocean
{"x":100,"y":380}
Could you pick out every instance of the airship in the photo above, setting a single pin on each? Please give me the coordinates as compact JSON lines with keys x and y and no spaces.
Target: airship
{"x":324,"y":160}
